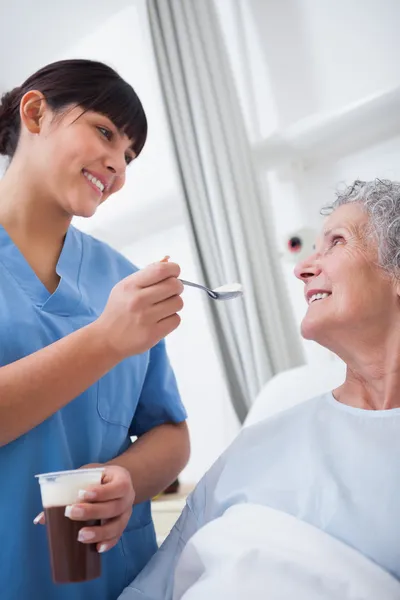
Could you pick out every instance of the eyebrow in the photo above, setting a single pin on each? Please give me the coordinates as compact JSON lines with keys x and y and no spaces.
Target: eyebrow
{"x":328,"y":232}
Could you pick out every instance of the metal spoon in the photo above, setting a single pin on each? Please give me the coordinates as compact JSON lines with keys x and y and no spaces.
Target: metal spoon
{"x":225,"y":292}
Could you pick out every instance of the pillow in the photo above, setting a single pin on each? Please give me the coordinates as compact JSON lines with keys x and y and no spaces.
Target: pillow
{"x":296,"y":385}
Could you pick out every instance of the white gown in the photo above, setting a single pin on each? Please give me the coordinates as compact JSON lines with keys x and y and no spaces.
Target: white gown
{"x":327,"y":464}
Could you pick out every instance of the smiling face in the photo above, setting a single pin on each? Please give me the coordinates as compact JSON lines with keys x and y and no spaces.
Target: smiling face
{"x":346,"y":290}
{"x":80,"y":158}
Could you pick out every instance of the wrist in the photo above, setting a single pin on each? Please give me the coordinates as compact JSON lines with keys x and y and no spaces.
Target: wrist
{"x":102,"y":340}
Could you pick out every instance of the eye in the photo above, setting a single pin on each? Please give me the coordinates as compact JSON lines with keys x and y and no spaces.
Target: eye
{"x":128,"y":159}
{"x":105,"y":133}
{"x":336,"y":240}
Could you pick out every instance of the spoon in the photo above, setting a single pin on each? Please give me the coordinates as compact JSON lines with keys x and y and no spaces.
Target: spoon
{"x":225,"y":292}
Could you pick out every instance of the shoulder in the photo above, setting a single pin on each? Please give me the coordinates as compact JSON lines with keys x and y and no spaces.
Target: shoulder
{"x":282,"y":429}
{"x":286,"y":419}
{"x":260,"y":454}
{"x":98,"y":253}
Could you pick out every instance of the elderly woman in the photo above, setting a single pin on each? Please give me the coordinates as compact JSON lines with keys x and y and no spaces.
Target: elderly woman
{"x":332,"y":461}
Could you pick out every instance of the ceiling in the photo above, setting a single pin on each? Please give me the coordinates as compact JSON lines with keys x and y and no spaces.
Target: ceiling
{"x":34,"y":33}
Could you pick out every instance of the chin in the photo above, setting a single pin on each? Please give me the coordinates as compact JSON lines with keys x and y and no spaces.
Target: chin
{"x":306,"y":334}
{"x":82,"y":205}
{"x":311,"y":329}
{"x":84,"y":210}
{"x":321,"y":331}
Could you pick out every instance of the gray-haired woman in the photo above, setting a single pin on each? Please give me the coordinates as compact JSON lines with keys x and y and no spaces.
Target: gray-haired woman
{"x":331,"y":461}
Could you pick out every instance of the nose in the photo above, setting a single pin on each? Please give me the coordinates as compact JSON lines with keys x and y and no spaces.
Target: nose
{"x":116,"y":164}
{"x":310,"y":267}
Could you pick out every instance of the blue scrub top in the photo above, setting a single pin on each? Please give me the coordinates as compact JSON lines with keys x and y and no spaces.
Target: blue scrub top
{"x":137,"y":395}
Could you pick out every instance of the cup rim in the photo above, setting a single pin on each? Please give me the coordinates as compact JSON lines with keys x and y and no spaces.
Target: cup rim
{"x":55,"y":474}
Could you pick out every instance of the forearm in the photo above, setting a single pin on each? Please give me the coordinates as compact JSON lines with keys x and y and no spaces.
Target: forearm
{"x":156,"y":459}
{"x":35,"y":387}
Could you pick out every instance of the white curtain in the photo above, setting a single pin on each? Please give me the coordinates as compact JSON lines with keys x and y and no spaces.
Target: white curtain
{"x":228,"y":214}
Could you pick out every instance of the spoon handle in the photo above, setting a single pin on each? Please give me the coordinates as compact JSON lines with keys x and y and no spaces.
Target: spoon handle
{"x":195,"y":285}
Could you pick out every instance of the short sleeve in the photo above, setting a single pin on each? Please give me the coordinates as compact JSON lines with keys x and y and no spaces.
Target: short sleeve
{"x":159,"y":400}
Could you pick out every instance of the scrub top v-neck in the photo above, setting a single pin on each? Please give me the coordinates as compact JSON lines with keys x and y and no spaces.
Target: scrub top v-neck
{"x":67,"y":296}
{"x":137,"y":395}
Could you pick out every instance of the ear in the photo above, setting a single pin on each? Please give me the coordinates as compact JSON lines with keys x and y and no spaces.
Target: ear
{"x":32,"y":108}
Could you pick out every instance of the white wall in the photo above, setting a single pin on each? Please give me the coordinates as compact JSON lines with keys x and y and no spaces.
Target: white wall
{"x":354,"y":45}
{"x":320,"y":55}
{"x":32,"y":34}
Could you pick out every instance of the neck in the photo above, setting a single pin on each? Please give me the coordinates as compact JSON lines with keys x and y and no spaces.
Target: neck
{"x":27,"y":213}
{"x":373,"y":374}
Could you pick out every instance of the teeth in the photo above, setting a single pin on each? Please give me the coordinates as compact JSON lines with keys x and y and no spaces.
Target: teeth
{"x":94,"y":180}
{"x":320,"y":296}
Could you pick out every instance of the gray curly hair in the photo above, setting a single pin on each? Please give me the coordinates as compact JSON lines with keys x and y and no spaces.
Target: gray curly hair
{"x":381,"y":201}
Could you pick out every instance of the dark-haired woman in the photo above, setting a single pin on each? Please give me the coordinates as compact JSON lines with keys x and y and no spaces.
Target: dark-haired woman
{"x":83,"y":365}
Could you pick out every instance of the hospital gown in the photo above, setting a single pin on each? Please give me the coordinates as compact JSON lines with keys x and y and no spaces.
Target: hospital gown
{"x":328,"y":464}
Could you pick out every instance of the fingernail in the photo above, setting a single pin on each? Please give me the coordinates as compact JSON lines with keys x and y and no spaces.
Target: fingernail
{"x":102,"y":548}
{"x":74,"y":512}
{"x":86,"y":495}
{"x":85,"y":535}
{"x":37,"y":519}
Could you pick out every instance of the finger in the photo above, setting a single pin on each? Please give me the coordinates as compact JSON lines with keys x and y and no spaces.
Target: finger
{"x":97,"y":510}
{"x":40,"y":519}
{"x":115,"y":485}
{"x":162,"y":291}
{"x":155,"y":273}
{"x":165,"y":259}
{"x":106,"y":546}
{"x":107,"y":532}
{"x":166,"y":326}
{"x":167,"y":308}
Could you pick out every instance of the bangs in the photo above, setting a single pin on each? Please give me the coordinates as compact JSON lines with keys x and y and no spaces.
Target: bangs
{"x":92,"y":85}
{"x":118,"y":101}
{"x":96,"y":87}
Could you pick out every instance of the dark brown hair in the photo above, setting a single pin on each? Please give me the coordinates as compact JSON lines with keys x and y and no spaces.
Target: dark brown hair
{"x":92,"y":85}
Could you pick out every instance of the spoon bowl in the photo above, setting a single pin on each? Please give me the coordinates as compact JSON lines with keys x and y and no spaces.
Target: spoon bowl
{"x":225,"y":292}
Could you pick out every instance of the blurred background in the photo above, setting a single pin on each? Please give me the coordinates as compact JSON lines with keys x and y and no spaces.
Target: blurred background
{"x":258,"y":111}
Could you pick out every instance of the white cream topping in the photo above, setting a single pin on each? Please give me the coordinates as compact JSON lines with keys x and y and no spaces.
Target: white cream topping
{"x":62,"y":489}
{"x":229,"y":287}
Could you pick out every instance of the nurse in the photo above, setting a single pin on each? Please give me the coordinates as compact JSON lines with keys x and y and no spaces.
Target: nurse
{"x":83,"y":365}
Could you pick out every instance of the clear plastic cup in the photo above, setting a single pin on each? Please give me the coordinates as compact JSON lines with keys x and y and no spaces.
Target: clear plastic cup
{"x":71,"y":561}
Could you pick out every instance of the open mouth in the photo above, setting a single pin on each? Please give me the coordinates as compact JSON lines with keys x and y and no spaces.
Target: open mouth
{"x":318,"y":296}
{"x":95,"y":183}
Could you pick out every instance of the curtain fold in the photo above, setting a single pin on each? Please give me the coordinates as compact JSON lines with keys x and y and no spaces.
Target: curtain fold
{"x":229,"y":216}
